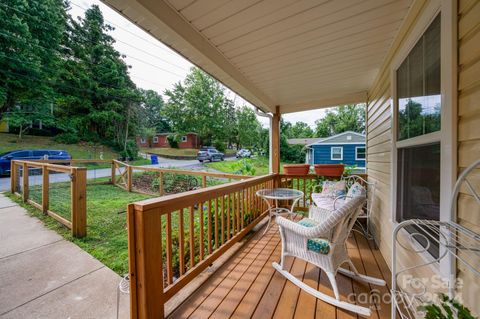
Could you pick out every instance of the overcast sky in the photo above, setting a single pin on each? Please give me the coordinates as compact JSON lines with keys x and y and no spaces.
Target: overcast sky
{"x":155,"y":66}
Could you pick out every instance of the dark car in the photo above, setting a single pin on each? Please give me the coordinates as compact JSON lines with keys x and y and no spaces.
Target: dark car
{"x":209,"y":154}
{"x":28,"y":155}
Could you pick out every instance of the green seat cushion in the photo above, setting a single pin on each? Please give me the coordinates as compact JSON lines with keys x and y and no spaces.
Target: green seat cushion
{"x":318,"y":245}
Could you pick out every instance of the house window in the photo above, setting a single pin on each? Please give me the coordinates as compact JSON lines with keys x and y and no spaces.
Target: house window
{"x":337,"y":153}
{"x":142,"y":140}
{"x":155,"y":140}
{"x":184,"y":138}
{"x":359,"y":153}
{"x":418,"y":117}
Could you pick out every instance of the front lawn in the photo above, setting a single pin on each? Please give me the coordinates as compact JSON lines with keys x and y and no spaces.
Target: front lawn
{"x":248,"y":166}
{"x":183,"y":152}
{"x":106,"y":221}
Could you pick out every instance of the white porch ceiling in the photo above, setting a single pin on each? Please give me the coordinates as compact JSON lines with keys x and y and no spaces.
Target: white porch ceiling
{"x":298,"y":54}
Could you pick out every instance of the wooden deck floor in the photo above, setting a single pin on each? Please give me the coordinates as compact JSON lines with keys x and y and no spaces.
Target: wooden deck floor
{"x":248,"y":287}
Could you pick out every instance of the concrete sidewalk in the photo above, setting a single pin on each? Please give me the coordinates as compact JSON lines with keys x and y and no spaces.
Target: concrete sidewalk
{"x":44,"y":276}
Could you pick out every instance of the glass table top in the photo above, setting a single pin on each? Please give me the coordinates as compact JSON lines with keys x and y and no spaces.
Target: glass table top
{"x":279,"y":193}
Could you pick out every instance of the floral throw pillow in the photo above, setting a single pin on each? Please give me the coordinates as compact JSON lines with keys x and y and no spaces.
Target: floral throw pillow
{"x":356,"y":190}
{"x":333,"y":189}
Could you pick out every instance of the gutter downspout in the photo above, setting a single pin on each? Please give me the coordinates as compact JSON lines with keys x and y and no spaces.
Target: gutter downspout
{"x":270,"y":153}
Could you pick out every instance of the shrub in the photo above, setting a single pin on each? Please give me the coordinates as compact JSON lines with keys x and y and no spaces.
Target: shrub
{"x":219,"y":145}
{"x":173,"y":140}
{"x":67,"y":138}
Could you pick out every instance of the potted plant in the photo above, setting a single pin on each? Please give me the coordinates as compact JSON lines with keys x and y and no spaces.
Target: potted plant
{"x":329,"y":170}
{"x":296,"y":169}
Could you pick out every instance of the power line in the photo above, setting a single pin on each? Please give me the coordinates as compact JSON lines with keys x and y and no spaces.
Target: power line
{"x":127,"y":55}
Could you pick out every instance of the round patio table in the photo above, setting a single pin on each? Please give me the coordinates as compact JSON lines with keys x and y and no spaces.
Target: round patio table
{"x":276,"y":194}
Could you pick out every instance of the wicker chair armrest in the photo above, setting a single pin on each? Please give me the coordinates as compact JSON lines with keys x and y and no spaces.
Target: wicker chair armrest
{"x":307,"y":232}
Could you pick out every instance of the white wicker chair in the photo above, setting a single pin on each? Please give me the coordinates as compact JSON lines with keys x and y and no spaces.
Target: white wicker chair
{"x":335,"y":227}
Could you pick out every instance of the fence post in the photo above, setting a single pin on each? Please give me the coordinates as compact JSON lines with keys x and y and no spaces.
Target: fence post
{"x":114,"y":170}
{"x":160,"y":179}
{"x":13,"y":177}
{"x":79,"y":201}
{"x":45,"y":189}
{"x":25,"y":182}
{"x":146,"y":264}
{"x":204,"y":181}
{"x":129,"y":178}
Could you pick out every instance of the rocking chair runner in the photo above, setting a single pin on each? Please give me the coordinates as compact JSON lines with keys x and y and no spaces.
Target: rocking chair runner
{"x":333,"y":228}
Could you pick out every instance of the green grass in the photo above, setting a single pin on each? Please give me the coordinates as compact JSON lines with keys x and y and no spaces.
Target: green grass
{"x":187,"y":152}
{"x":106,"y":221}
{"x":10,"y":142}
{"x":259,"y":165}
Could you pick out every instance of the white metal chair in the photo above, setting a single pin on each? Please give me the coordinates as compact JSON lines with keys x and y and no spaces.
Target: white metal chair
{"x":335,"y":202}
{"x":333,"y":227}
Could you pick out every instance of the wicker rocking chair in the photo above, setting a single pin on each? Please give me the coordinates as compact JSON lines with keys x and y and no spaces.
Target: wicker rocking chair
{"x":321,"y":240}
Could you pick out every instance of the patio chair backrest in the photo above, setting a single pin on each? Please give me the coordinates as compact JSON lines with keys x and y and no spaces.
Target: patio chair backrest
{"x":339,"y":222}
{"x":370,"y":188}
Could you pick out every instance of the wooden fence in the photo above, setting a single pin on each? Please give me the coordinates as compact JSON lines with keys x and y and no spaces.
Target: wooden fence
{"x":20,"y":170}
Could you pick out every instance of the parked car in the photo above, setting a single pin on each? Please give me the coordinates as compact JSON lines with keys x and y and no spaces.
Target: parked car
{"x":244,"y":153}
{"x":209,"y":154}
{"x":28,"y":155}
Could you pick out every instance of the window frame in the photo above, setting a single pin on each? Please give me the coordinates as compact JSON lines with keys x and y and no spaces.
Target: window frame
{"x":184,"y":138}
{"x":356,"y":153}
{"x":142,"y":140}
{"x":341,"y":153}
{"x":155,"y":140}
{"x":447,"y":135}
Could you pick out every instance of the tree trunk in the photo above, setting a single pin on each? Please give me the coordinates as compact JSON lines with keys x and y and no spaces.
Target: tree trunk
{"x":126,"y":128}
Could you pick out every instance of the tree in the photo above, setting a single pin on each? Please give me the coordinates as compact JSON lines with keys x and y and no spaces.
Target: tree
{"x":22,"y":117}
{"x":301,"y":130}
{"x":97,"y":98}
{"x":248,"y":127}
{"x":341,"y":119}
{"x":31,"y":33}
{"x":199,"y":104}
{"x":152,"y":104}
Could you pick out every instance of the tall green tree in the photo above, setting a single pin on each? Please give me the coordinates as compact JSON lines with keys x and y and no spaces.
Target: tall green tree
{"x":98,"y":99}
{"x":152,"y":104}
{"x":341,"y":119}
{"x":199,"y":104}
{"x":30,"y":38}
{"x":248,"y":127}
{"x":300,"y":130}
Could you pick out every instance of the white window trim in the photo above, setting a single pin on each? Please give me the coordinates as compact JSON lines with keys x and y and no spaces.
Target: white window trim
{"x":341,"y":153}
{"x":356,"y":153}
{"x":447,"y":136}
{"x":142,"y":140}
{"x":155,"y":140}
{"x":184,"y":138}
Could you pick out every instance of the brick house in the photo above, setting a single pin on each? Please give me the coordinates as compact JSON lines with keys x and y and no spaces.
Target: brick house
{"x":189,"y":140}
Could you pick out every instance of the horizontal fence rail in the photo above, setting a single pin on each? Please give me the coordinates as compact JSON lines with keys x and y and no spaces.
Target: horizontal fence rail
{"x":174,"y":238}
{"x":39,"y":195}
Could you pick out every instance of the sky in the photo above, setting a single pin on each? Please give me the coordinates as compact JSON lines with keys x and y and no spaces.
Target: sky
{"x":154,"y":65}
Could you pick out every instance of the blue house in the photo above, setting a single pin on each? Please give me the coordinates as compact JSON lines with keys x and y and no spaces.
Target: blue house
{"x":345,"y":148}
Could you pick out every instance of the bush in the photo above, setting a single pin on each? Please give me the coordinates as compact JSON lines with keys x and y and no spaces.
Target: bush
{"x":173,"y":140}
{"x":131,"y":151}
{"x":220,"y":146}
{"x":67,"y":138}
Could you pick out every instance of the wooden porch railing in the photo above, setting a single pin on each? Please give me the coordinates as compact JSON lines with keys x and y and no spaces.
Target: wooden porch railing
{"x":20,"y":170}
{"x":174,"y":238}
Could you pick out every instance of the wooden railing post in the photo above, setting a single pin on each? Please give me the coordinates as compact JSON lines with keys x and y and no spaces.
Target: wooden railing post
{"x":146,"y":266}
{"x":13,"y":177}
{"x":45,"y":189}
{"x":129,"y":178}
{"x":25,"y":182}
{"x":79,"y":201}
{"x":204,"y":181}
{"x":114,"y":171}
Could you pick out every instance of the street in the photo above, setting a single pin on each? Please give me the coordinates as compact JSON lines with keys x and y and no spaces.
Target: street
{"x":103,"y":172}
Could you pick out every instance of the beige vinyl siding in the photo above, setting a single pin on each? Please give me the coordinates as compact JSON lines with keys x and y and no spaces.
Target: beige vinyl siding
{"x":469,"y":128}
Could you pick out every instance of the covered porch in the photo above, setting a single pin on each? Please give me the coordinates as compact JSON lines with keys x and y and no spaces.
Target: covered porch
{"x":290,"y":56}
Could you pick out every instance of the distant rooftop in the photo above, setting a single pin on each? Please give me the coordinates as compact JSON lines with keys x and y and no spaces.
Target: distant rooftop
{"x":303,"y":141}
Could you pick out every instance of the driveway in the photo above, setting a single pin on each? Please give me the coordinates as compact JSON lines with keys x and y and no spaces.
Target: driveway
{"x":103,"y":172}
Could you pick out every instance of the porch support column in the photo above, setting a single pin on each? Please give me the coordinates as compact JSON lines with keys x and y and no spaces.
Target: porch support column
{"x":275,"y":142}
